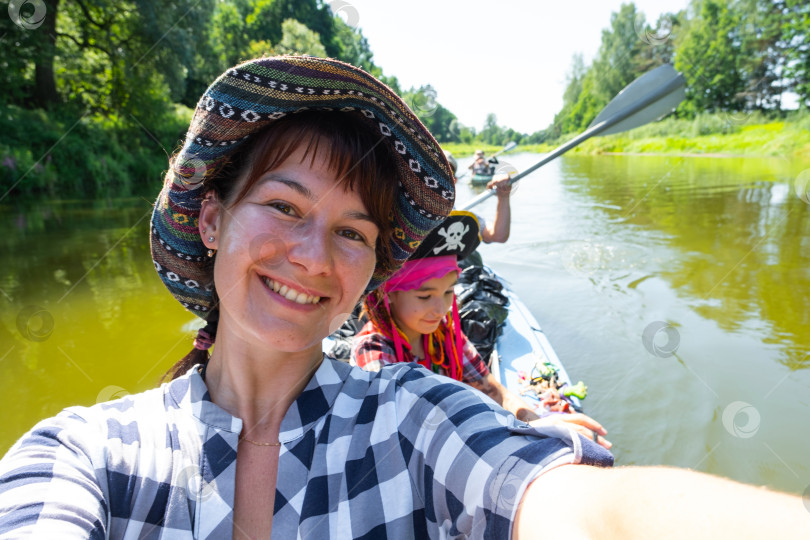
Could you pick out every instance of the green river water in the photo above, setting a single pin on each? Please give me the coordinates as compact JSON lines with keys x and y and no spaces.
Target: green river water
{"x":677,"y":288}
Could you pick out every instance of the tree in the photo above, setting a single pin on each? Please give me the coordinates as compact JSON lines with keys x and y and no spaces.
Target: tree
{"x":128,"y":57}
{"x":538,"y":137}
{"x":466,"y":134}
{"x":24,"y":46}
{"x":492,"y":133}
{"x":564,"y":121}
{"x":45,"y":94}
{"x":591,"y":100}
{"x":441,"y":123}
{"x":617,"y":62}
{"x":354,"y":46}
{"x":762,"y":55}
{"x":229,"y":33}
{"x":796,"y":40}
{"x":659,"y":42}
{"x":708,"y":56}
{"x":268,"y":16}
{"x":296,"y":38}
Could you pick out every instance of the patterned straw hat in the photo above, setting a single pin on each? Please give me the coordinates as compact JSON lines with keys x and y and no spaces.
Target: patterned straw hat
{"x":246,"y":99}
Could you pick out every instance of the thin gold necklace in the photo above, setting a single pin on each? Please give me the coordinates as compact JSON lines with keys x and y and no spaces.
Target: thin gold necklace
{"x":257,"y":443}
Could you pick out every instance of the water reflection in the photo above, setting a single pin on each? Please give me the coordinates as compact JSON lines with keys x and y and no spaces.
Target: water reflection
{"x":80,"y":308}
{"x":740,"y":234}
{"x":609,"y":250}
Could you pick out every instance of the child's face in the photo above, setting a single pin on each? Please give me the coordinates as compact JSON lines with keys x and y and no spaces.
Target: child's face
{"x":419,"y":311}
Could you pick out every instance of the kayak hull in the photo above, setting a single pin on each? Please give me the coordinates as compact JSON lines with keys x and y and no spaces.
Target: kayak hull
{"x":521,"y":348}
{"x":480,"y":179}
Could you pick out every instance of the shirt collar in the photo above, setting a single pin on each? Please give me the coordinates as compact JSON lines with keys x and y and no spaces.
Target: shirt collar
{"x":189,"y":392}
{"x":315,"y":402}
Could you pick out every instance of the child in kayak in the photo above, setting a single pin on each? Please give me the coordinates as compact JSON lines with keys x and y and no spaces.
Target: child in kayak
{"x":414,"y":318}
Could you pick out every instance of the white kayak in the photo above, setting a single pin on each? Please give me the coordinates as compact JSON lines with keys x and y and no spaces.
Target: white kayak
{"x":522,"y":350}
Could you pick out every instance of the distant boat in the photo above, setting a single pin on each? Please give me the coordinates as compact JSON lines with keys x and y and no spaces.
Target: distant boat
{"x":480,"y":179}
{"x":483,"y":173}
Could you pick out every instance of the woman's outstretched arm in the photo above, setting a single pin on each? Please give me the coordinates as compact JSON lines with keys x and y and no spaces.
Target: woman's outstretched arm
{"x":654,"y":502}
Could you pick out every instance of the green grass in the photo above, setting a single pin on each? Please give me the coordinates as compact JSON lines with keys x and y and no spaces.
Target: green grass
{"x":726,"y":134}
{"x":466,"y":150}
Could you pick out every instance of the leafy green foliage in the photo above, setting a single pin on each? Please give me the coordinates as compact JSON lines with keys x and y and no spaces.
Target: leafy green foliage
{"x":749,"y":134}
{"x":91,"y":97}
{"x":618,"y":62}
{"x":296,"y":38}
{"x":268,"y":16}
{"x":737,"y":56}
{"x":795,"y":28}
{"x":708,"y":58}
{"x":95,"y":155}
{"x":228,"y":38}
{"x":440,"y":122}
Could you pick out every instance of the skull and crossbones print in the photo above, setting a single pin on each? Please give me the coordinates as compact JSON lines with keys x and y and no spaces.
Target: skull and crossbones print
{"x":452,"y":237}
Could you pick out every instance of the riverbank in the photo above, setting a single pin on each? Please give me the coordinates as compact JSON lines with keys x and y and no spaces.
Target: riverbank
{"x":718,"y":135}
{"x":68,"y":153}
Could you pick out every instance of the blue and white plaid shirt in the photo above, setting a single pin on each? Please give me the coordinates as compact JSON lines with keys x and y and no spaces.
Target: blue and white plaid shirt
{"x":399,"y":453}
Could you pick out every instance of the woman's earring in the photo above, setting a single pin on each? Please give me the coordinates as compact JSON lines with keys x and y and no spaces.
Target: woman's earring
{"x":211,"y":251}
{"x":210,"y":238}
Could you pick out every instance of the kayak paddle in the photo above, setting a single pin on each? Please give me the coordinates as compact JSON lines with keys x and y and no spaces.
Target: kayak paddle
{"x":648,"y":98}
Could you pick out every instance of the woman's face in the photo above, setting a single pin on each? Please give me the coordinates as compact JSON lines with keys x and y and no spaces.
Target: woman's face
{"x":293,"y":256}
{"x":419,"y":311}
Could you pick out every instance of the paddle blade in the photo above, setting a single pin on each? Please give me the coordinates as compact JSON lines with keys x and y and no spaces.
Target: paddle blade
{"x":663,"y":77}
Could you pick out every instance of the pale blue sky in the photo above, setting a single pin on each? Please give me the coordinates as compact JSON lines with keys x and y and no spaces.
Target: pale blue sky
{"x":508,"y":57}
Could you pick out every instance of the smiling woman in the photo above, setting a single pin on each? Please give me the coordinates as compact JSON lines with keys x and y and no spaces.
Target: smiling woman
{"x":270,"y":225}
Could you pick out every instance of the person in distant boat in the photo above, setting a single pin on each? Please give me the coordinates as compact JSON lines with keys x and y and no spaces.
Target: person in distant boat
{"x":413,"y":317}
{"x":498,"y":230}
{"x":481,"y":165}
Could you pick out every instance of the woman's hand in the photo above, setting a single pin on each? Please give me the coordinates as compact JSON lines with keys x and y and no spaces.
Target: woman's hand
{"x":582,"y":424}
